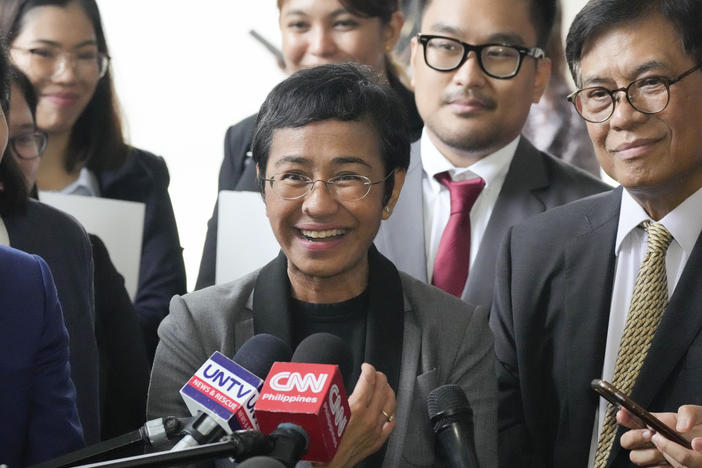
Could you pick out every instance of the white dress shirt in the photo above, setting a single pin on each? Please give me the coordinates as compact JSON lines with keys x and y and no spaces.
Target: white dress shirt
{"x":4,"y":235}
{"x":685,"y":224}
{"x":437,"y":199}
{"x":86,"y":184}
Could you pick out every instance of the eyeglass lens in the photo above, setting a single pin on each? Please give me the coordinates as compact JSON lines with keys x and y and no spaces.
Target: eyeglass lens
{"x":30,"y":145}
{"x":345,"y":188}
{"x":647,"y":95}
{"x":52,"y":62}
{"x":448,"y":54}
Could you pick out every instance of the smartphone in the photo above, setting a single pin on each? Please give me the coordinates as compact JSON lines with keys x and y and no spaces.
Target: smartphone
{"x":612,"y":394}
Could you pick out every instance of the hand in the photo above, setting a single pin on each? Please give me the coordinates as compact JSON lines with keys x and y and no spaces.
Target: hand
{"x":368,"y":428}
{"x":651,"y":449}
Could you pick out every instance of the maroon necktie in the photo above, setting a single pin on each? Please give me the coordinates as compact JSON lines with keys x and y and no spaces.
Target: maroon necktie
{"x":453,"y":257}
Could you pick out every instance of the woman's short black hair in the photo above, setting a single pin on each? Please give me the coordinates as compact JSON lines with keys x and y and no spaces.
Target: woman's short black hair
{"x":96,"y":140}
{"x":598,"y":15}
{"x":345,"y":92}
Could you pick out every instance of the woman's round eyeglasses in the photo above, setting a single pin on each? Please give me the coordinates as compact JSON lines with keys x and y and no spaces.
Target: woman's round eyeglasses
{"x":343,"y":187}
{"x":30,"y":145}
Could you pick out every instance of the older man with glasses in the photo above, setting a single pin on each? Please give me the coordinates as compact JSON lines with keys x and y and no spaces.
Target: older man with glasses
{"x":609,"y":287}
{"x":478,"y":65}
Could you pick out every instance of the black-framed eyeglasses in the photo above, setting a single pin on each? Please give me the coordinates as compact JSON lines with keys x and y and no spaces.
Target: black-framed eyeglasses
{"x":648,"y":95}
{"x":29,"y":145}
{"x":496,"y":60}
{"x":344,"y":187}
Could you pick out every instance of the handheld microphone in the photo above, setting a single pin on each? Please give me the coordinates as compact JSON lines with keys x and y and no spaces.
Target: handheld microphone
{"x":309,"y":395}
{"x":452,"y":420}
{"x":222,"y":393}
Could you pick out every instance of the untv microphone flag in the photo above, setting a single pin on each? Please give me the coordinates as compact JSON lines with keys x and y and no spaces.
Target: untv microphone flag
{"x":225,"y":391}
{"x":311,"y":396}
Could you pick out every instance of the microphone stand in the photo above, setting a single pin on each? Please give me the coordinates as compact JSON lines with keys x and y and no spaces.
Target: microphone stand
{"x":152,"y":433}
{"x":242,"y":444}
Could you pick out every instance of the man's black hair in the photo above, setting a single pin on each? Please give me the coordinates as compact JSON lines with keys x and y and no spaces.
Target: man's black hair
{"x":541,"y":12}
{"x":598,"y":15}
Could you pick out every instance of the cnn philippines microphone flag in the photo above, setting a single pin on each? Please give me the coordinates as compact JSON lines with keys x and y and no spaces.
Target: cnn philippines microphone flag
{"x":225,"y":391}
{"x":311,"y":396}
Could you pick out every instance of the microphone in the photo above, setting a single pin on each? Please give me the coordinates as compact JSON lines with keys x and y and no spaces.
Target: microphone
{"x":452,"y":420}
{"x":222,"y":393}
{"x":153,"y":433}
{"x":261,"y":462}
{"x":310,"y":395}
{"x":285,"y":445}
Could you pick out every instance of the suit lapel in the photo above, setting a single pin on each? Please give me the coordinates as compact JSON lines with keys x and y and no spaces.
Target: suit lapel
{"x":271,"y":300}
{"x":516,"y":202}
{"x":588,"y":278}
{"x":401,"y":237}
{"x":411,"y":346}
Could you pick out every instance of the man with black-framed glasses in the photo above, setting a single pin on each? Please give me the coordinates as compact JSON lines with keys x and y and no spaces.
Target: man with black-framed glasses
{"x":477,"y":67}
{"x":616,"y":293}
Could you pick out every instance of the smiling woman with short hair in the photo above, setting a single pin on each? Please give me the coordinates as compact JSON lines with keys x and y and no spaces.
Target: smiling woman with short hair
{"x":332,"y":151}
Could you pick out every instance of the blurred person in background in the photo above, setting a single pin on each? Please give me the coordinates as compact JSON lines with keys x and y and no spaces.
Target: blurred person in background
{"x":123,"y":360}
{"x":39,"y":229}
{"x":37,"y":396}
{"x":60,"y":45}
{"x":553,"y":124}
{"x":315,"y":32}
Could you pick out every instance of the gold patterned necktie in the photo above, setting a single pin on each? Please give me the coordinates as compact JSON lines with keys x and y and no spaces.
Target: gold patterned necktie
{"x":647,"y":305}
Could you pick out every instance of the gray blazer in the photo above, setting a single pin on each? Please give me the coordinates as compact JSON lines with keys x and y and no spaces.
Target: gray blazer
{"x":534,"y":183}
{"x":445,"y":341}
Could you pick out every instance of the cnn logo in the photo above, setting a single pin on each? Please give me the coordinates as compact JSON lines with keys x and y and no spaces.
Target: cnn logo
{"x":287,"y":381}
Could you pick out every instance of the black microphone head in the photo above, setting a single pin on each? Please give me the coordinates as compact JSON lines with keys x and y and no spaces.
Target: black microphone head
{"x":259,"y":352}
{"x":446,"y":404}
{"x":325,"y":348}
{"x":291,"y":443}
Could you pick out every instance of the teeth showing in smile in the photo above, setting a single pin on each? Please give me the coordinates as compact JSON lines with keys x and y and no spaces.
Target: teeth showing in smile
{"x":323,"y":234}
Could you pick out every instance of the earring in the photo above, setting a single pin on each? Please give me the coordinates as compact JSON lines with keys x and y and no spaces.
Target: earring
{"x":387,"y":209}
{"x":388,"y":47}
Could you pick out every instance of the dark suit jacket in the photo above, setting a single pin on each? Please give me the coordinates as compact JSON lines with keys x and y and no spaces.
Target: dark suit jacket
{"x":550,"y":317}
{"x":431,"y":339}
{"x":238,"y":172}
{"x":61,"y":241}
{"x":144,"y":178}
{"x":534,"y":183}
{"x":37,"y":398}
{"x":124,"y":362}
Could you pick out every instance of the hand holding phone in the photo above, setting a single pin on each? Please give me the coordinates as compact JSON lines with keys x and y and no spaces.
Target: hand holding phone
{"x":618,"y":398}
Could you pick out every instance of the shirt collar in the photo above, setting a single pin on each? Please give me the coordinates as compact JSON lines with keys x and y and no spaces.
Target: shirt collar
{"x":86,"y":184}
{"x":684,"y":222}
{"x":491,"y":168}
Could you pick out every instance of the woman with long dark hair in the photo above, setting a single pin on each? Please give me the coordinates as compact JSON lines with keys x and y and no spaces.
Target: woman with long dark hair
{"x":60,"y":45}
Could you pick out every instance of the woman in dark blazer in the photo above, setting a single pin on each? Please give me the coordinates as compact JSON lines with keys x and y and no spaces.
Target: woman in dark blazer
{"x":331,"y":154}
{"x":113,"y":377}
{"x":37,"y":398}
{"x":314,"y":33}
{"x":60,"y":45}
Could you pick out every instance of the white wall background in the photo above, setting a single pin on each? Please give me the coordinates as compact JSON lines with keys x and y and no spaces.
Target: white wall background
{"x":184,"y":71}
